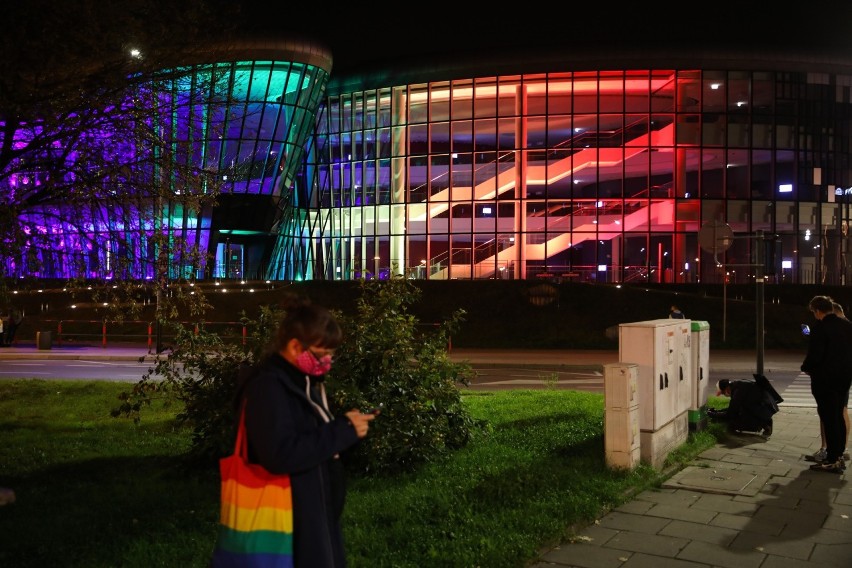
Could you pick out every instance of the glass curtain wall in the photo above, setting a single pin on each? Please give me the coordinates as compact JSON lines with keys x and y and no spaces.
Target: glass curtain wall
{"x":248,"y":122}
{"x":601,"y":177}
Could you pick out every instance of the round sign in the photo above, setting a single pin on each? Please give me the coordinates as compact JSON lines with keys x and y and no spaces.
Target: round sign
{"x":715,"y":237}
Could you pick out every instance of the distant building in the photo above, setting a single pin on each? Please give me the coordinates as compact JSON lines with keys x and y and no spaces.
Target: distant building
{"x":594,"y":167}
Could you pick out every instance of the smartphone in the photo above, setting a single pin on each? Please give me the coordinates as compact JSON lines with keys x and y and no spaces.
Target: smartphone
{"x":375,"y":409}
{"x":806,"y":329}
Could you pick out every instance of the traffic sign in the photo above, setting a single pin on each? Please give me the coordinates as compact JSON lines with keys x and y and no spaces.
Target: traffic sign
{"x":715,"y":237}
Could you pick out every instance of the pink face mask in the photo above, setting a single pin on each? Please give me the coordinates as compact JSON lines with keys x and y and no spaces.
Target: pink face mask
{"x":308,"y":363}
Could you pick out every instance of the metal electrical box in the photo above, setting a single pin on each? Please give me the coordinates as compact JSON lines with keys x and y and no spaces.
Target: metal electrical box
{"x":701,"y":374}
{"x":621,"y":385}
{"x":661,"y":349}
{"x":621,"y":417}
{"x":685,"y":374}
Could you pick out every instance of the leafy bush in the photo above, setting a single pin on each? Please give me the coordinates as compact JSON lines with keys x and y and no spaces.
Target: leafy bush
{"x":203,"y":372}
{"x":389,"y":358}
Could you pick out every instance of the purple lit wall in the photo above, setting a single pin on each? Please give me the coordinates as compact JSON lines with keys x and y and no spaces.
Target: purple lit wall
{"x":248,"y":140}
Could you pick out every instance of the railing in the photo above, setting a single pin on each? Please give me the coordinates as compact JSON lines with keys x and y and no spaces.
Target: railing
{"x":123,"y":332}
{"x":127,"y":330}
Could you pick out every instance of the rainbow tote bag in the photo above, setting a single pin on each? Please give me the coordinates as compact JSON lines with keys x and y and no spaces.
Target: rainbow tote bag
{"x":256,"y":522}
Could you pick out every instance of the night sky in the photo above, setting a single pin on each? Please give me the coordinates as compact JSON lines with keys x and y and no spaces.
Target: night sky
{"x":364,"y":32}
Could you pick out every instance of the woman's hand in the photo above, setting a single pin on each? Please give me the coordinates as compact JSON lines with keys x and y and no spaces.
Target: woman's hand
{"x":360,"y":421}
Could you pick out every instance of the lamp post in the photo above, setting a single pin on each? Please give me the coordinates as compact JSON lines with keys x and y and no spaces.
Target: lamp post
{"x":844,"y":236}
{"x":760,"y":281}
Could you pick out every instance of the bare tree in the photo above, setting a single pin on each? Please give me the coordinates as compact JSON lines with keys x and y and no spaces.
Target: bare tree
{"x":102,"y":108}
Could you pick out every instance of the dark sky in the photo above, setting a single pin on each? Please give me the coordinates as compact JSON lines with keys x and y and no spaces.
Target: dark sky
{"x":362,"y":32}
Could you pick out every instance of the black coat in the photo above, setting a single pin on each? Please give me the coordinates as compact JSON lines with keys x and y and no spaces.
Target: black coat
{"x":829,"y":357}
{"x":287,"y":433}
{"x":752,"y":406}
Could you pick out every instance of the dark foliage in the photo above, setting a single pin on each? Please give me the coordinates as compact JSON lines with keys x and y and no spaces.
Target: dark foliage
{"x":390,"y":359}
{"x":203,"y":372}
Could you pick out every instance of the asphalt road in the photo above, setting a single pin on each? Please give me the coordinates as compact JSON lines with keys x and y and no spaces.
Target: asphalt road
{"x":793,"y":386}
{"x":77,"y":369}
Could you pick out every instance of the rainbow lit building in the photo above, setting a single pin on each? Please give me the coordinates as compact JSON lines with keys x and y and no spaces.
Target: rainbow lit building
{"x":586,"y":167}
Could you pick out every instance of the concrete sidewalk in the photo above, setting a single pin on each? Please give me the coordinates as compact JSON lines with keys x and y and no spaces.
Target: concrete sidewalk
{"x":768,"y":510}
{"x":749,"y":502}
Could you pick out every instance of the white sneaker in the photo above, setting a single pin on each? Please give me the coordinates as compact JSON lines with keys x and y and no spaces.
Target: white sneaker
{"x":846,"y":455}
{"x":818,"y":456}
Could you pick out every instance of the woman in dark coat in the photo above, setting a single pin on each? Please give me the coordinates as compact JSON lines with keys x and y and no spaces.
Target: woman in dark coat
{"x":290,"y":429}
{"x":829,"y":364}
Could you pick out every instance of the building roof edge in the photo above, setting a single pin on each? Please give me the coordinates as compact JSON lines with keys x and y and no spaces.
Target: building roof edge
{"x":442,"y":67}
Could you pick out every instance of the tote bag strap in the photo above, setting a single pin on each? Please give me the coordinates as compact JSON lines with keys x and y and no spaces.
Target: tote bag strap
{"x":241,"y":444}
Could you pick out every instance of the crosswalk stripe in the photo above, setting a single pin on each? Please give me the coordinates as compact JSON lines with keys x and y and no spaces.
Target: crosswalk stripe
{"x":799,"y":393}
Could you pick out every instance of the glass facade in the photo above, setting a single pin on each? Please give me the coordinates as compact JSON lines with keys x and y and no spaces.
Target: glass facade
{"x":246,"y":123}
{"x":602,"y":176}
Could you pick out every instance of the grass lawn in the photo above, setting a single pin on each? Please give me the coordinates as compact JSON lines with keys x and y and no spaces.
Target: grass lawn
{"x":95,"y":491}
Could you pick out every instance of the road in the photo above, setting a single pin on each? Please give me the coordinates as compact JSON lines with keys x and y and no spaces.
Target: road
{"x":77,"y":369}
{"x":792,"y":385}
{"x":502,"y":377}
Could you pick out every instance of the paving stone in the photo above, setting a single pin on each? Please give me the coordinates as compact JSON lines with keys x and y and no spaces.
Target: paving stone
{"x":747,"y":460}
{"x":672,"y":496}
{"x":699,"y":531}
{"x":650,"y":544}
{"x":697,"y":551}
{"x":682,"y":513}
{"x":782,"y":562}
{"x":738,"y":522}
{"x":839,"y":555}
{"x":714,"y":453}
{"x":585,"y":556}
{"x":717,"y":481}
{"x":640,"y":560}
{"x":636,"y":506}
{"x":629,"y":522}
{"x":839,"y":522}
{"x":782,"y":501}
{"x":714,"y":464}
{"x":821,"y":536}
{"x":799,"y":549}
{"x":596,"y":535}
{"x":724,"y":504}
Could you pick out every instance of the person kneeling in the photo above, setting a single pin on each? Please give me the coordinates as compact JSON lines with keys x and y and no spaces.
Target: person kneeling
{"x":751,"y":408}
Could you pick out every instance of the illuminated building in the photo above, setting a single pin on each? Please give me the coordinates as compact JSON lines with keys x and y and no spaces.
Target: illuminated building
{"x":587,"y":168}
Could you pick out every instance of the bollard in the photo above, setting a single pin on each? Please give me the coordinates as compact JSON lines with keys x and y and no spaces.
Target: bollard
{"x":43,"y":340}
